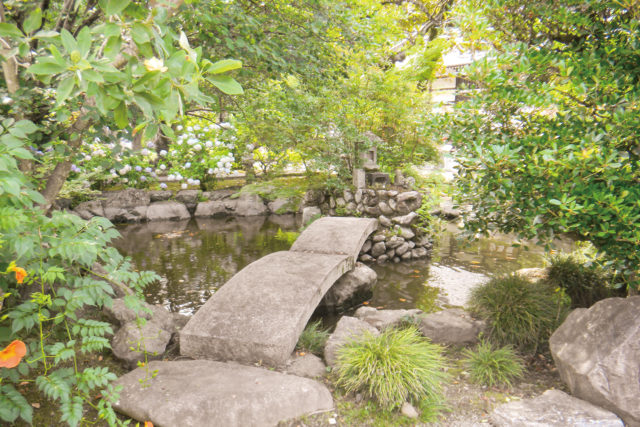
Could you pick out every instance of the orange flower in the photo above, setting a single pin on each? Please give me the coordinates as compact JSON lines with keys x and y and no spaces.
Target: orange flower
{"x":12,"y":354}
{"x":21,"y":273}
{"x":148,"y":424}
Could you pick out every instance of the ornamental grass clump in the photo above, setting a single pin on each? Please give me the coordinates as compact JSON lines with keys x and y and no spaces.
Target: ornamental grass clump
{"x":397,"y":366}
{"x":492,"y":366}
{"x":313,"y":338}
{"x":518,"y":312}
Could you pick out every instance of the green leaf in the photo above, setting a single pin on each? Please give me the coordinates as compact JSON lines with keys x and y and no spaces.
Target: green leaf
{"x":64,"y":89}
{"x":68,"y":41}
{"x":139,"y":33}
{"x":26,"y":126}
{"x":84,"y":41}
{"x":112,"y":48}
{"x":92,"y":76}
{"x":33,"y":21}
{"x":183,"y":41}
{"x":555,"y":202}
{"x":224,"y":66}
{"x":46,"y":68}
{"x":116,"y":6}
{"x":120,"y":115}
{"x":43,"y":34}
{"x":150,"y":132}
{"x":9,"y":30}
{"x":226,"y":84}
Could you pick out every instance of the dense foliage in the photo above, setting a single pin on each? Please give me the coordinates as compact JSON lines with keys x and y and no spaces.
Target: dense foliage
{"x":548,"y":141}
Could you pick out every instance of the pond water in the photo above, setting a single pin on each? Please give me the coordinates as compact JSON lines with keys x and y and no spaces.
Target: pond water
{"x":194,"y":258}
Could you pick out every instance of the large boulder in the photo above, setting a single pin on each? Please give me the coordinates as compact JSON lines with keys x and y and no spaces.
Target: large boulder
{"x":452,"y":326}
{"x":211,"y":209}
{"x":120,"y":313}
{"x":597,"y":352}
{"x":382,"y":319}
{"x":250,"y":205}
{"x":347,"y":329}
{"x":208,"y":393}
{"x":167,"y":211}
{"x":128,"y":205}
{"x":552,"y":408}
{"x":306,"y":365}
{"x":283,"y":205}
{"x":309,"y":213}
{"x":87,"y":210}
{"x":351,"y":289}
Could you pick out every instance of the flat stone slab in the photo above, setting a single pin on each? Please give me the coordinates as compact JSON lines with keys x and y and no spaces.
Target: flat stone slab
{"x":208,"y":393}
{"x":553,"y":408}
{"x":335,"y":235}
{"x":258,"y":316}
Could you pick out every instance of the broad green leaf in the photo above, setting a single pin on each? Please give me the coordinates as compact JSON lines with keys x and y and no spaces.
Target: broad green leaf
{"x":183,"y":41}
{"x":84,"y":41}
{"x":92,"y":76}
{"x":64,"y":89}
{"x":68,"y":41}
{"x":46,"y":68}
{"x":150,"y":132}
{"x":112,"y":48}
{"x":555,"y":202}
{"x":33,"y":21}
{"x":224,"y":66}
{"x":120,"y":115}
{"x":44,"y":34}
{"x":226,"y":84}
{"x":115,"y":7}
{"x":9,"y":30}
{"x":140,"y":33}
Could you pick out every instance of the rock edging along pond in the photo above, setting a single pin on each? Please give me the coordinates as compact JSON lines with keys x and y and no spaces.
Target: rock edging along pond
{"x":398,"y":237}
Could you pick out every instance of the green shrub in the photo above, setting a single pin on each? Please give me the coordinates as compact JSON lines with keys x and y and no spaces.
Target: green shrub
{"x":518,"y":312}
{"x":313,"y":338}
{"x":584,"y":285}
{"x":398,"y":365}
{"x":492,"y":366}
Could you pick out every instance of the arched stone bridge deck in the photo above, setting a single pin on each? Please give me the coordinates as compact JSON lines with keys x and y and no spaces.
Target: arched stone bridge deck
{"x":258,"y":315}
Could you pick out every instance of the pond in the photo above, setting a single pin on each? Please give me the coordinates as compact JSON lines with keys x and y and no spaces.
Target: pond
{"x":195,"y":258}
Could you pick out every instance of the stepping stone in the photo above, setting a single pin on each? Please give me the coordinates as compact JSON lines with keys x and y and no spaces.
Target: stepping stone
{"x":208,"y":393}
{"x":553,"y":408}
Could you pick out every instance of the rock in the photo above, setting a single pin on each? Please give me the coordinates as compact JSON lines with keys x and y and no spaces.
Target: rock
{"x":393,"y":204}
{"x":382,"y":259}
{"x":372,"y":210}
{"x":357,"y":197}
{"x":366,"y":258}
{"x":384,"y":221}
{"x":122,"y":314}
{"x":452,"y":326}
{"x":250,"y":205}
{"x":396,"y":259}
{"x":282,"y":205}
{"x":533,"y":274}
{"x":406,"y":220}
{"x":87,"y":210}
{"x":395,"y":241}
{"x":366,"y":247}
{"x":411,"y":244}
{"x":378,"y":249}
{"x":174,"y":211}
{"x":207,"y":393}
{"x":340,"y":202}
{"x":332,"y":202}
{"x":346,"y":330}
{"x":188,"y":197}
{"x":409,"y":411}
{"x":406,"y":233}
{"x":351,"y":289}
{"x":382,"y":319}
{"x":125,"y":199}
{"x":313,"y":198}
{"x":211,"y":209}
{"x":134,"y":214}
{"x":348,"y":196}
{"x":385,"y":209}
{"x":597,"y":353}
{"x":309,"y":213}
{"x":446,"y":210}
{"x":406,"y":256}
{"x":552,"y":408}
{"x":391,"y":253}
{"x":160,"y":195}
{"x":308,"y":366}
{"x":419,"y":253}
{"x":150,"y":337}
{"x":378,"y":237}
{"x":402,"y":249}
{"x":218,"y":194}
{"x":351,"y":207}
{"x":408,"y":201}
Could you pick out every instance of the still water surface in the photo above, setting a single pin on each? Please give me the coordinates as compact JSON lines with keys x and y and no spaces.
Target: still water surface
{"x":194,"y":258}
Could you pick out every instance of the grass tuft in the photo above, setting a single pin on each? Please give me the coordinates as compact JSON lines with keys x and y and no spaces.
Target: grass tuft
{"x":397,"y":366}
{"x":313,"y":338}
{"x":518,"y":312}
{"x":492,"y":366}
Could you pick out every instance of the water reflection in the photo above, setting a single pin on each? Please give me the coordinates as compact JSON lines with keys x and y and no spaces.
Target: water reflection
{"x":194,"y":258}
